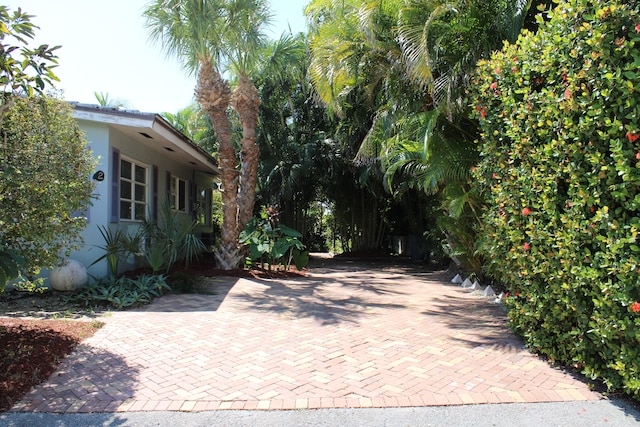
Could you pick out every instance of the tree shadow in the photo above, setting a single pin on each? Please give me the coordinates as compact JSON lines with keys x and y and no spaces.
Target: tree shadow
{"x":88,"y":380}
{"x":480,"y":323}
{"x":327,"y":301}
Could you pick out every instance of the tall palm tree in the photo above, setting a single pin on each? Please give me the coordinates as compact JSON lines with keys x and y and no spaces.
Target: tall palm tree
{"x":211,"y":37}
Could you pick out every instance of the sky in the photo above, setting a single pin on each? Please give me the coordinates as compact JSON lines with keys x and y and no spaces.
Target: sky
{"x":106,"y":49}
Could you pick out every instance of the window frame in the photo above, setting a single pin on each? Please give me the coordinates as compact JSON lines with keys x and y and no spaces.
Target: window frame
{"x":178,"y":194}
{"x":203,"y":205}
{"x":132,"y":183}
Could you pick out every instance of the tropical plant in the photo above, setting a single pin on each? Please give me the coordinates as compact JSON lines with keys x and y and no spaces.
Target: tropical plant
{"x":122,"y":292}
{"x":105,"y":100}
{"x":295,"y":152}
{"x":196,"y":125}
{"x":273,"y":243}
{"x":161,"y":243}
{"x":115,"y":248}
{"x":169,"y":240}
{"x":210,"y":36}
{"x":407,"y":66}
{"x":560,"y":171}
{"x":44,"y":182}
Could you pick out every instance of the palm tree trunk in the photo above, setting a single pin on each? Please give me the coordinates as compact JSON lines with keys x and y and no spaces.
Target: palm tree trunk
{"x":246,"y":101}
{"x":214,"y":95}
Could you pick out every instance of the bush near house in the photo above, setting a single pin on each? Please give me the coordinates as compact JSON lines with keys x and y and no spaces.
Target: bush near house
{"x":560,"y":171}
{"x":44,"y":181}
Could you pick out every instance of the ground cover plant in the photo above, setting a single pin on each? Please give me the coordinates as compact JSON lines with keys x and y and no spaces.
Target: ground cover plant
{"x":560,"y":172}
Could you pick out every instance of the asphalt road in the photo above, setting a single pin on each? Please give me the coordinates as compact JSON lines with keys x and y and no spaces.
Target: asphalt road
{"x":589,"y":413}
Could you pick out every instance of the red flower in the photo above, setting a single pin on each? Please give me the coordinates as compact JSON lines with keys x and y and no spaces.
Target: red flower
{"x":526,"y":211}
{"x":567,"y":94}
{"x":631,"y":136}
{"x":483,"y":113}
{"x":494,"y":176}
{"x":494,"y":86}
{"x":638,"y":28}
{"x":635,"y":307}
{"x":592,"y":209}
{"x":638,"y":155}
{"x":527,"y":246}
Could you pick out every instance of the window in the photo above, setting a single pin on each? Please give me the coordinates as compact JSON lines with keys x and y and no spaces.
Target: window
{"x":203,"y":206}
{"x":178,"y":194}
{"x":133,"y":190}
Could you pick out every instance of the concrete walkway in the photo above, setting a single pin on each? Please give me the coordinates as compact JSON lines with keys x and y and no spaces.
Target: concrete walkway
{"x":345,"y":336}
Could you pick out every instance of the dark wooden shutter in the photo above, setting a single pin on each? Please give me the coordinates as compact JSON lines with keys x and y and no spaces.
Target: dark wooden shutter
{"x":154,"y":199}
{"x":115,"y":185}
{"x":168,"y":196}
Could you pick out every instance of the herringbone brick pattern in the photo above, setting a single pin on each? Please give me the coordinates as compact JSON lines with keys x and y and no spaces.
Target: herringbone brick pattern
{"x":344,"y":336}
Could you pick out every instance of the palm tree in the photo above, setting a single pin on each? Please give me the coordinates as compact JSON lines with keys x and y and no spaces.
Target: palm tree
{"x":409,"y":64}
{"x":196,"y":125}
{"x":210,"y":37}
{"x":105,"y":100}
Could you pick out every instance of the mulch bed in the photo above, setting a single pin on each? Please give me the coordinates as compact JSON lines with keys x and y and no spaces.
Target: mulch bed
{"x":31,"y":349}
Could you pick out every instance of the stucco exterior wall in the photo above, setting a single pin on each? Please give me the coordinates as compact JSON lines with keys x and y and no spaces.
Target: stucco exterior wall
{"x":102,"y":140}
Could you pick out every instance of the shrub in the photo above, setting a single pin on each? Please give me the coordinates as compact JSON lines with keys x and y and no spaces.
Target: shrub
{"x":273,"y":243}
{"x":560,"y":171}
{"x":44,"y":181}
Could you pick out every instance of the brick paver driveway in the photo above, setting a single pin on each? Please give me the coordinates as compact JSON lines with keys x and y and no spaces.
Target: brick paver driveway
{"x":347,"y":335}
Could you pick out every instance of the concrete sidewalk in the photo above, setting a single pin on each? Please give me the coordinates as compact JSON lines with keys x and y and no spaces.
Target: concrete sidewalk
{"x":344,"y":337}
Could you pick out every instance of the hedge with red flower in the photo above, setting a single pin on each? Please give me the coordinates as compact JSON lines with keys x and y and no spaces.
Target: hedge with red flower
{"x":561,"y":133}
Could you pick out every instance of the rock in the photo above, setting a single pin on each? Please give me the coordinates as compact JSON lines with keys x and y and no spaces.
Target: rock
{"x":69,"y":276}
{"x":456,"y":279}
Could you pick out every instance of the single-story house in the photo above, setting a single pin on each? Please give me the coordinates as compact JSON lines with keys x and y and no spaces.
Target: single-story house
{"x":143,"y":163}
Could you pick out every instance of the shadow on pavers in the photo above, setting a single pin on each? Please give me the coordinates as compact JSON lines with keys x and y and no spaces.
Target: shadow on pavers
{"x":88,"y":380}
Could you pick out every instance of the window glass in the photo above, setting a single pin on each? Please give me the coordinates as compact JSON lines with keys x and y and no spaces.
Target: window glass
{"x":133,"y":190}
{"x":140,"y":193}
{"x":125,"y":169}
{"x":178,"y":194}
{"x":141,"y":174}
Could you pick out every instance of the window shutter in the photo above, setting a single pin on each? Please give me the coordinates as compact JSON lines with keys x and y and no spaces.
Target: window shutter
{"x":168,"y":197}
{"x":115,"y":185}
{"x":193,"y":191}
{"x":154,"y":199}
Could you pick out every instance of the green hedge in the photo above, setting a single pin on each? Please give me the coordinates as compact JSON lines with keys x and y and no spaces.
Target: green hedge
{"x":560,"y":171}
